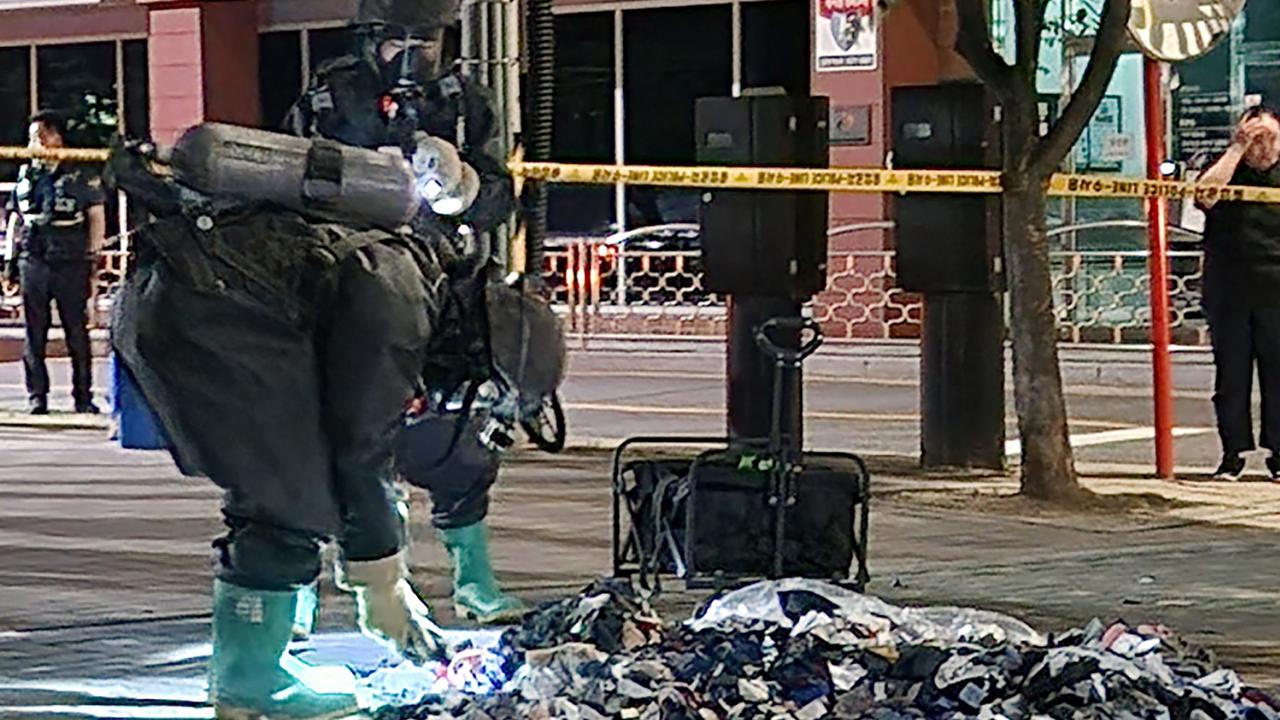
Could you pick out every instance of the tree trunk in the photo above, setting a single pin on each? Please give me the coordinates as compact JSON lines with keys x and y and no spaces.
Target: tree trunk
{"x":1048,"y":468}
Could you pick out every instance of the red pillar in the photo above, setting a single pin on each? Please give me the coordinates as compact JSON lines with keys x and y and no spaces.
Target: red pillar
{"x":203,"y":59}
{"x":916,"y":41}
{"x":851,"y":306}
{"x":1158,"y":237}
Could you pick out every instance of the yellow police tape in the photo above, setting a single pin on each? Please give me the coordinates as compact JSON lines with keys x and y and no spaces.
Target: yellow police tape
{"x":857,"y":180}
{"x":874,"y":180}
{"x":64,"y":154}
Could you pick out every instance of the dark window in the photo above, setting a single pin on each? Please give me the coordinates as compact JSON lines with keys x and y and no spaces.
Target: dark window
{"x":279,"y":75}
{"x":583,"y":122}
{"x":1209,"y":73}
{"x":1264,"y":80}
{"x":1262,"y":21}
{"x":327,"y":44}
{"x":673,"y":57}
{"x":15,"y":103}
{"x":137,"y":95}
{"x":775,"y":45}
{"x":79,"y":81}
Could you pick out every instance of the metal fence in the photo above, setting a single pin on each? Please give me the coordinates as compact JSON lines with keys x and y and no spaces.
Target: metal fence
{"x":649,"y":281}
{"x":603,"y":286}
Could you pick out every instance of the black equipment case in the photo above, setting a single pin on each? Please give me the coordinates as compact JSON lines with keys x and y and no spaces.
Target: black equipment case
{"x":743,"y":509}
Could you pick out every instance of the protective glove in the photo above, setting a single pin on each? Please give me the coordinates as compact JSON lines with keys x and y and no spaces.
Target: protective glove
{"x":388,"y":610}
{"x":126,"y":160}
{"x":463,"y":195}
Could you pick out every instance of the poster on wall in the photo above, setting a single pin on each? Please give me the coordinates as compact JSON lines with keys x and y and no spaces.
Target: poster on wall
{"x":845,"y":35}
{"x":1103,"y":147}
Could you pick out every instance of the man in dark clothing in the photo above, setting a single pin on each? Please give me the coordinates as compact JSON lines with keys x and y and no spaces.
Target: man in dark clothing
{"x":398,"y":93}
{"x":56,"y":227}
{"x":1242,"y":292}
{"x":284,"y":381}
{"x":280,"y":354}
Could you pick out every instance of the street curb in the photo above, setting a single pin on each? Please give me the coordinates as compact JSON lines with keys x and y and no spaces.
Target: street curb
{"x":53,"y":421}
{"x":1092,"y":365}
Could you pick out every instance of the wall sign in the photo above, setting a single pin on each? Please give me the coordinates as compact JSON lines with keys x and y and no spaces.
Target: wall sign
{"x":850,"y":124}
{"x":846,"y":35}
{"x":1204,"y":122}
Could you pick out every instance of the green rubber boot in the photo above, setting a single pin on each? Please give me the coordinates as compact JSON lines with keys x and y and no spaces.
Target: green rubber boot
{"x":251,"y":674}
{"x":476,"y":595}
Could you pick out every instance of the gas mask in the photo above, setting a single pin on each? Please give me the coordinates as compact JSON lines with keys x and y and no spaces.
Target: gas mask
{"x":410,"y":56}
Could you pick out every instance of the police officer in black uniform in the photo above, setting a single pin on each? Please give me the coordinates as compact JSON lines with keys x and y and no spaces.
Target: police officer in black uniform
{"x":397,"y":92}
{"x":56,"y":228}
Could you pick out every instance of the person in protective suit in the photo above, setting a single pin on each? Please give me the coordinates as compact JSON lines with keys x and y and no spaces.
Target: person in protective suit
{"x":396,"y":93}
{"x":279,"y":353}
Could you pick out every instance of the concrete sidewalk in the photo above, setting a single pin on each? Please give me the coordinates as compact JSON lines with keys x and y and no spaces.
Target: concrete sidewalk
{"x":106,"y":553}
{"x":1125,"y":503}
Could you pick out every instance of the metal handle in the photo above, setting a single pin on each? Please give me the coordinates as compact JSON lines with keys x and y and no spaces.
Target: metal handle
{"x":789,"y":356}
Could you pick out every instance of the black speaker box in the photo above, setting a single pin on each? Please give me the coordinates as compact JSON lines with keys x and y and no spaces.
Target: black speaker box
{"x":764,"y":242}
{"x":947,"y":243}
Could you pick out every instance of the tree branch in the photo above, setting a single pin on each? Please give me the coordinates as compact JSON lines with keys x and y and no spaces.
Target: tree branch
{"x":973,"y":42}
{"x":1108,"y":45}
{"x":1028,"y":20}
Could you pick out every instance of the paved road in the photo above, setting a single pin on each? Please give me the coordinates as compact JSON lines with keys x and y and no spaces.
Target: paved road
{"x":866,"y":401}
{"x":868,"y":405}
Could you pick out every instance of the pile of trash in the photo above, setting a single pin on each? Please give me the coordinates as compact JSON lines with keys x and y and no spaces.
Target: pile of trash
{"x":803,"y":650}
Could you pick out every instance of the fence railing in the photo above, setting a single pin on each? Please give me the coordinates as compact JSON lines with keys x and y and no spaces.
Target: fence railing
{"x":650,"y":281}
{"x":603,"y":286}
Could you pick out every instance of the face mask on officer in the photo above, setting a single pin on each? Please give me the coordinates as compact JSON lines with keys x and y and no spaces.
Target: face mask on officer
{"x":411,"y":59}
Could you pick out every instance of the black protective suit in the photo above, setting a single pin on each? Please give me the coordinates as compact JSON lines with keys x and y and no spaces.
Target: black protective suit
{"x":280,"y":355}
{"x":347,"y":104}
{"x":282,"y":377}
